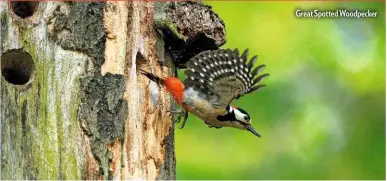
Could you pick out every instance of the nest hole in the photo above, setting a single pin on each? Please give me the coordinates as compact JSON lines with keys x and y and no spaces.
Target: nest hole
{"x":17,"y":67}
{"x":24,"y":9}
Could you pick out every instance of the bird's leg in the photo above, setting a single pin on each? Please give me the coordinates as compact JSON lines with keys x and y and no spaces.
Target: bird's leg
{"x":217,"y":127}
{"x":185,"y":112}
{"x":177,"y":114}
{"x":180,"y":114}
{"x":213,"y":126}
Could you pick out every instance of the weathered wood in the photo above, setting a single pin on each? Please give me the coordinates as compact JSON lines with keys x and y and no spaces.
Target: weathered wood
{"x":190,"y":28}
{"x":73,"y":105}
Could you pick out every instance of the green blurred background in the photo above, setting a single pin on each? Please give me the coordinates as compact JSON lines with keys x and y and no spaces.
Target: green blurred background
{"x":322,"y":115}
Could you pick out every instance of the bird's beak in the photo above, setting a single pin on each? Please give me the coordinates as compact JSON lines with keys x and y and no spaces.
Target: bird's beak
{"x":252,"y":130}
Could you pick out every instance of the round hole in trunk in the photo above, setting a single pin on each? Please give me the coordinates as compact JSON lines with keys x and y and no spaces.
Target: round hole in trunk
{"x":17,"y":66}
{"x":24,"y":9}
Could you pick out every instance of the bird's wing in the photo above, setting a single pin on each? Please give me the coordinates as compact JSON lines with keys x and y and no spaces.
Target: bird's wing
{"x":224,"y":73}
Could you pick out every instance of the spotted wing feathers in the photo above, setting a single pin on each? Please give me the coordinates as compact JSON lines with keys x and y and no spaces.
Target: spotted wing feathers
{"x":225,"y":73}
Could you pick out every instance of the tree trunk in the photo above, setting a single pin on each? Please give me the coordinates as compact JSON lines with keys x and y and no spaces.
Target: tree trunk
{"x":73,"y":105}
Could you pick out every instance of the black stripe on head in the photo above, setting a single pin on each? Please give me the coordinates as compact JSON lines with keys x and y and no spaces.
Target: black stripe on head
{"x":226,"y":117}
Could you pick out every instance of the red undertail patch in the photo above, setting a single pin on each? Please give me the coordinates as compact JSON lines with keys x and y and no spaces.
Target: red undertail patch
{"x":175,"y":87}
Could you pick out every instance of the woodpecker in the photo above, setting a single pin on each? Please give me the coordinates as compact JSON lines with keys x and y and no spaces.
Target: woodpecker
{"x":214,"y":78}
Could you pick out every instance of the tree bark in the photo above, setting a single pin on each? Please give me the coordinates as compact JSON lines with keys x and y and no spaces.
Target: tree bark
{"x":73,"y":105}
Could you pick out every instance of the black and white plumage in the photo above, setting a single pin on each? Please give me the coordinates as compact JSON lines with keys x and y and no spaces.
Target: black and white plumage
{"x":224,"y":74}
{"x":213,"y":80}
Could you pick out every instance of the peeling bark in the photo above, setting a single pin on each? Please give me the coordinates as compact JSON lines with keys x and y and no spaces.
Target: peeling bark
{"x":80,"y":110}
{"x":189,"y":28}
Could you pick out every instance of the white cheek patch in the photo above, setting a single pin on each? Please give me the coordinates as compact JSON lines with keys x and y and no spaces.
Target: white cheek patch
{"x":239,"y":115}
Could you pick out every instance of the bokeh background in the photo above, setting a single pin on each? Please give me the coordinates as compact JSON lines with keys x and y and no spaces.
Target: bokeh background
{"x":322,"y":115}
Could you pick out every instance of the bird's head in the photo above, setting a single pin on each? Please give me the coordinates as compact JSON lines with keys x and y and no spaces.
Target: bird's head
{"x":241,"y":120}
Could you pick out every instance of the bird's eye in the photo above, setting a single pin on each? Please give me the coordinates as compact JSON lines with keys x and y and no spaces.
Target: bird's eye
{"x":246,"y":118}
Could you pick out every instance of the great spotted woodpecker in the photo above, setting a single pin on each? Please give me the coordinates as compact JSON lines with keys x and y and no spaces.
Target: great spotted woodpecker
{"x":213,"y":80}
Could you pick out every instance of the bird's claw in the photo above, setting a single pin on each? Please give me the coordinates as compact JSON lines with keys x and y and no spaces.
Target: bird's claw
{"x":212,"y":126}
{"x":177,"y":115}
{"x":185,"y":114}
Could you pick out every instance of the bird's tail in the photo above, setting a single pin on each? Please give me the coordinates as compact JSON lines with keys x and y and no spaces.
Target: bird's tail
{"x":172,"y":84}
{"x":158,"y":80}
